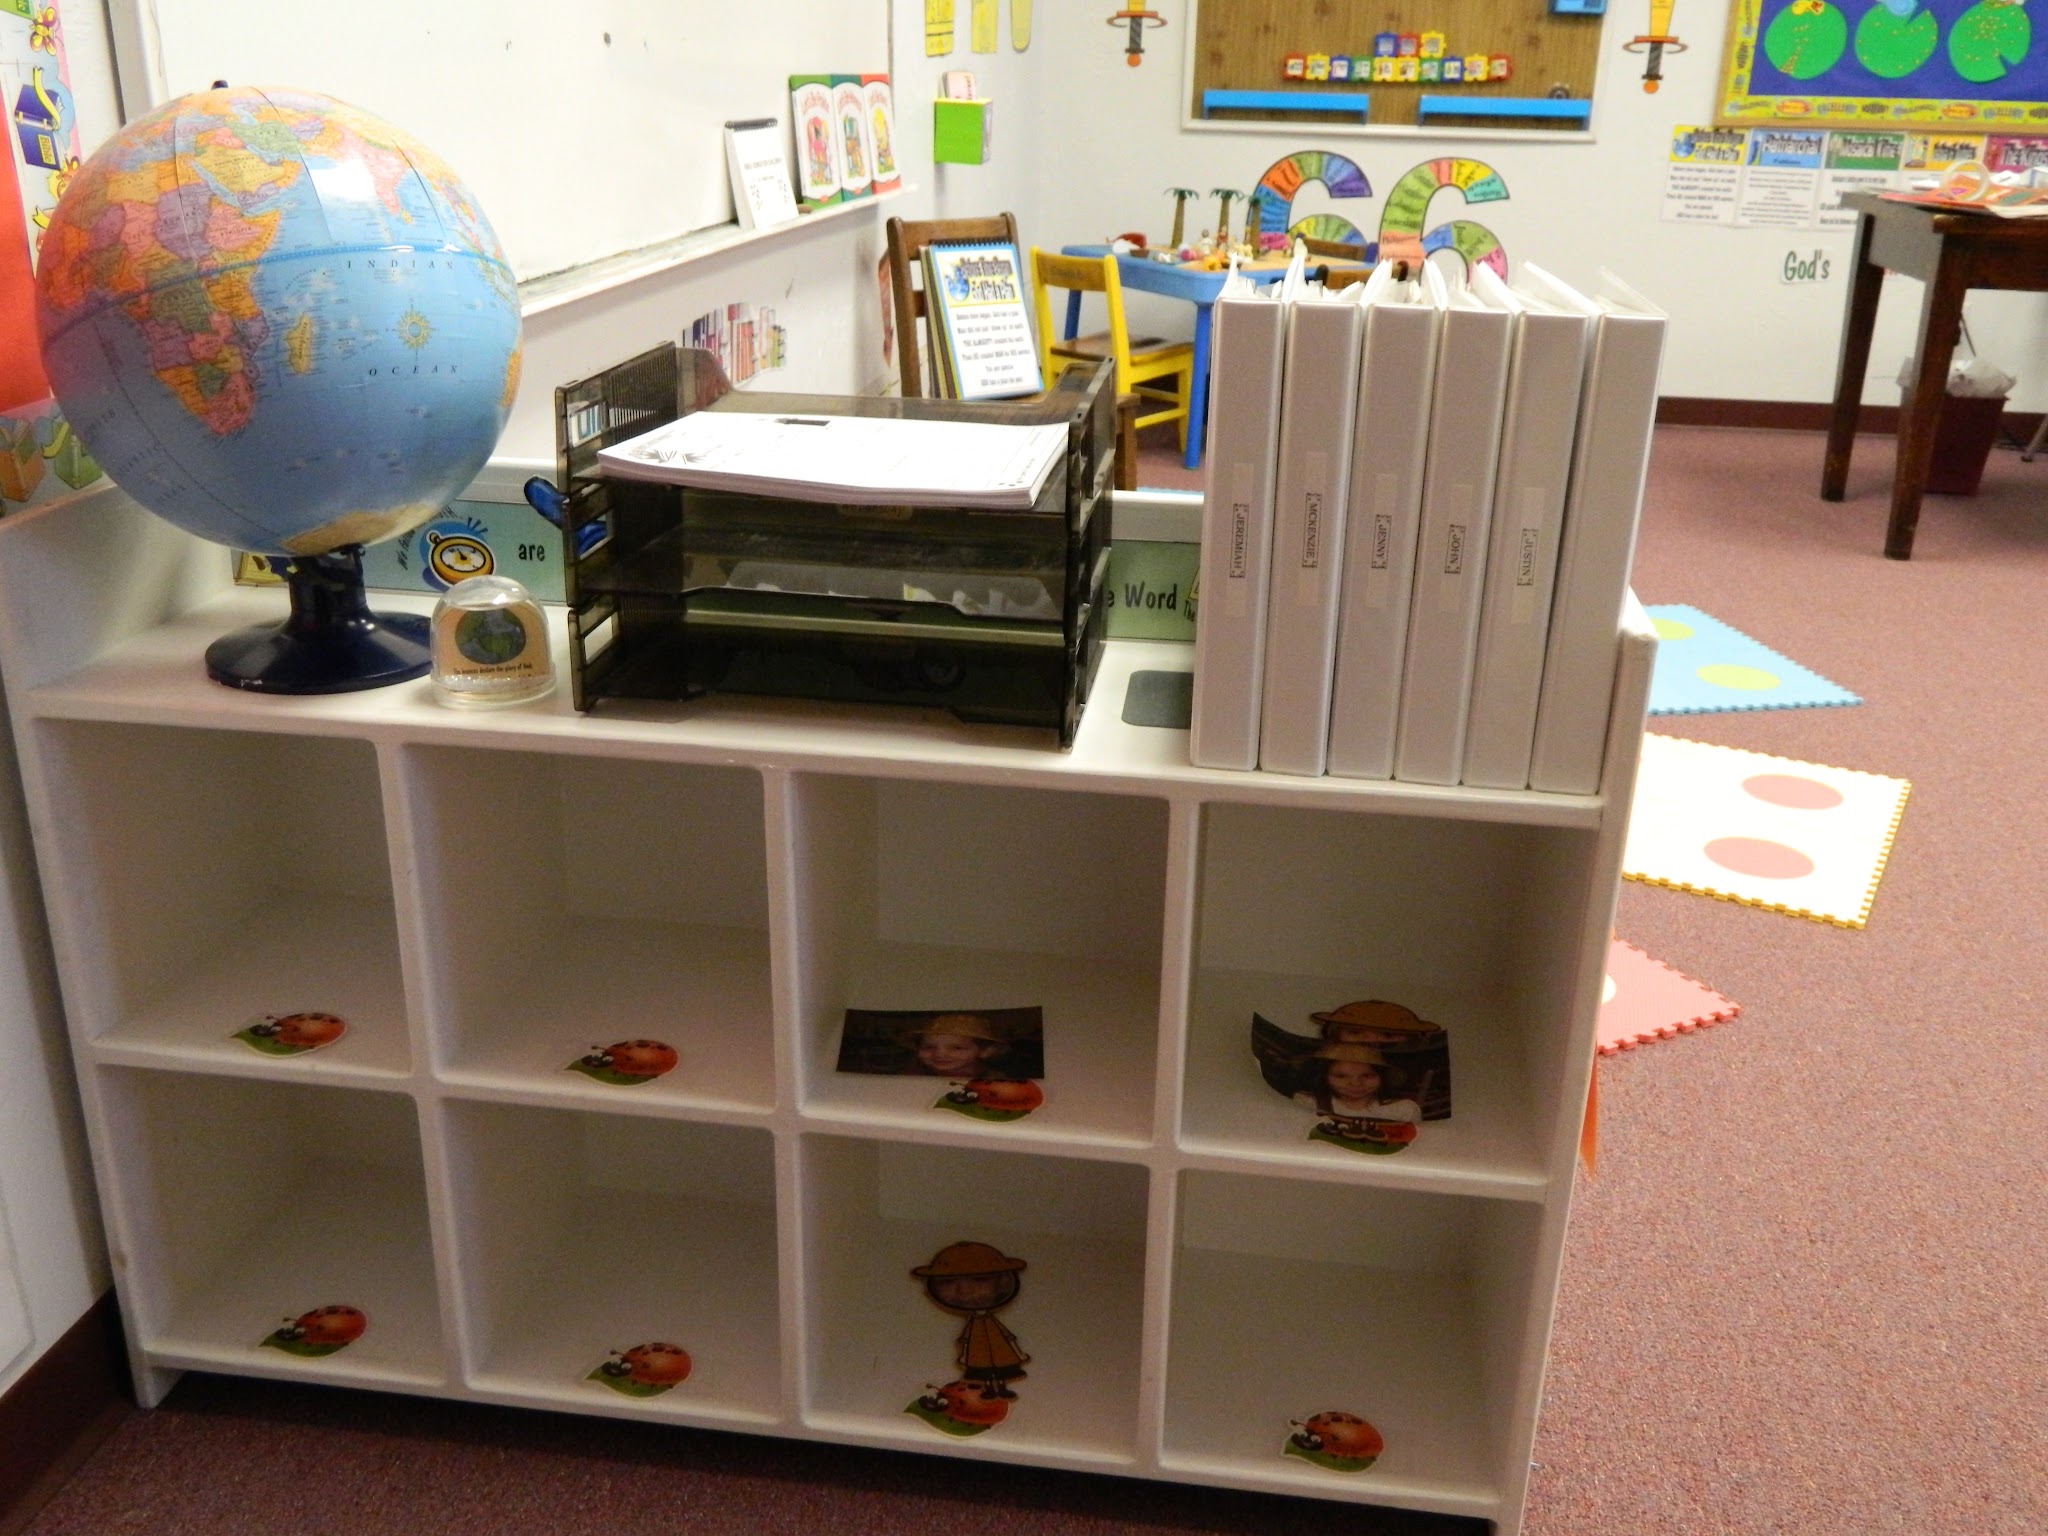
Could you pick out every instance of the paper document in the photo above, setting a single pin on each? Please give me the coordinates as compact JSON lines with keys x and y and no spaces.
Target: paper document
{"x":862,"y":460}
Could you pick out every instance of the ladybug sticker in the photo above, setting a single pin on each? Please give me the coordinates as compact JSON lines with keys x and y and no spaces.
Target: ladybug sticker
{"x":1336,"y":1441}
{"x":626,"y":1063}
{"x":645,"y":1370}
{"x":321,"y":1331}
{"x":291,"y":1034}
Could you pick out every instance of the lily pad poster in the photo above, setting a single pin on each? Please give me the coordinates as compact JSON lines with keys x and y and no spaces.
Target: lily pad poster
{"x":1901,"y":62}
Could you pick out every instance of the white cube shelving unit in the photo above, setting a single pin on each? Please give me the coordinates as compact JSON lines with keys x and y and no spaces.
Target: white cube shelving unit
{"x":484,"y":896}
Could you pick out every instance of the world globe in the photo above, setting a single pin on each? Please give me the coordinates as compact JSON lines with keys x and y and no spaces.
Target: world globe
{"x":285,"y":326}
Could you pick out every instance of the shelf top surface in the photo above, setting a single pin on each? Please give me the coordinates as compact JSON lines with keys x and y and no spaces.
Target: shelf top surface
{"x":157,"y":678}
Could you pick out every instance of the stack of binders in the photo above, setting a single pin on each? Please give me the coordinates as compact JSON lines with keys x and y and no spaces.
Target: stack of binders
{"x":1421,"y":513}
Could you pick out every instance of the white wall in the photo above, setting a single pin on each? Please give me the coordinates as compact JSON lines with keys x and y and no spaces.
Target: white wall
{"x":46,"y":1197}
{"x":1112,"y":141}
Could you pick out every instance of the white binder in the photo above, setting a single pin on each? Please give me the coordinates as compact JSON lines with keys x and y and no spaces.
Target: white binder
{"x":1473,"y":354}
{"x":1318,"y":400}
{"x":1247,"y":345}
{"x":1396,"y":371}
{"x":1553,"y":326}
{"x":1617,"y":412}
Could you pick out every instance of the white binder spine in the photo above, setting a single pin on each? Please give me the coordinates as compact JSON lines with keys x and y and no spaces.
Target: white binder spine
{"x":1318,"y":401}
{"x":1248,"y":344}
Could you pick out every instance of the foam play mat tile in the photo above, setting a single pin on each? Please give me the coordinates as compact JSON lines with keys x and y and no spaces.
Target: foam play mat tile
{"x":1799,"y":838}
{"x":1647,"y":1000}
{"x":1704,"y":666}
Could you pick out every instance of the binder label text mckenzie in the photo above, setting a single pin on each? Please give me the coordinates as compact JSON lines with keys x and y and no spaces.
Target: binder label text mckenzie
{"x":1312,"y":529}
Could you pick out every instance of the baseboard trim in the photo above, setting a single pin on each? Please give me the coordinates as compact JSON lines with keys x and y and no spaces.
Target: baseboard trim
{"x":1799,"y":415}
{"x":58,"y":1412}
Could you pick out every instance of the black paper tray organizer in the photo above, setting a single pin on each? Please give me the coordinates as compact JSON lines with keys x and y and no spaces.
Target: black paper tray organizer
{"x":995,"y":615}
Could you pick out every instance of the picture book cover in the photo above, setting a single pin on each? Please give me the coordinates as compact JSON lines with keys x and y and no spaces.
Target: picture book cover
{"x":976,"y":292}
{"x":886,"y":175}
{"x":850,"y":125}
{"x":817,"y":161}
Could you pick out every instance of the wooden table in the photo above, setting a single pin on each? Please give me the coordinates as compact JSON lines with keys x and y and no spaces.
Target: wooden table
{"x":1951,"y":253}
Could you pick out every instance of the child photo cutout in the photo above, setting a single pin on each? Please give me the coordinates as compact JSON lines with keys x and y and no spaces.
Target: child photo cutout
{"x":991,"y":1058}
{"x":973,"y":1281}
{"x":1370,"y":1075}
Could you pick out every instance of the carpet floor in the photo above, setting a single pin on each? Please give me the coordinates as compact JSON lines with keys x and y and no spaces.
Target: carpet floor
{"x":1804,"y":1291}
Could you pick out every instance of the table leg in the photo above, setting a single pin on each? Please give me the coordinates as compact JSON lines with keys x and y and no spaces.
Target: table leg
{"x":1865,"y":284}
{"x":1941,"y":318}
{"x":1198,"y":391}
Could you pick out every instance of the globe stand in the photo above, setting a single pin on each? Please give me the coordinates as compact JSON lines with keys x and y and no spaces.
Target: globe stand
{"x":331,"y":643}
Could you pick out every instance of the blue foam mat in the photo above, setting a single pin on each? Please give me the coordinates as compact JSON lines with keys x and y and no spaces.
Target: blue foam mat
{"x":1705,"y":666}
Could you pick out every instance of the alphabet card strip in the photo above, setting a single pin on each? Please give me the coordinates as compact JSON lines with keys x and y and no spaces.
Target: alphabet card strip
{"x":1799,"y":838}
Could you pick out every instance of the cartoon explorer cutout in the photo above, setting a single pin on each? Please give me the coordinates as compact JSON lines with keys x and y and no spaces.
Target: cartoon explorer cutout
{"x":975,"y":1281}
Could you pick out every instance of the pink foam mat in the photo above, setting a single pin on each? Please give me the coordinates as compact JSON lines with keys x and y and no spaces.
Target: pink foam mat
{"x":1646,"y":1000}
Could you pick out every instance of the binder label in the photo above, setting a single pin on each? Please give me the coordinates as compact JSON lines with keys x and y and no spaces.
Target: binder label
{"x":1237,"y":603}
{"x":1311,"y":529}
{"x":1451,"y":582}
{"x":1379,"y":584}
{"x":1522,"y":602}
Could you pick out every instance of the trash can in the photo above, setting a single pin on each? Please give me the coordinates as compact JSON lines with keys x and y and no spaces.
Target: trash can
{"x":1963,"y":437}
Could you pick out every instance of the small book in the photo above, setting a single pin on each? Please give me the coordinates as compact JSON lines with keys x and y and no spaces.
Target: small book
{"x":853,"y":138}
{"x":1552,"y":328}
{"x":817,"y":161}
{"x":1396,"y":372}
{"x":1248,"y":344}
{"x":1617,"y":410}
{"x":881,"y":104}
{"x":761,"y":194}
{"x":981,"y":323}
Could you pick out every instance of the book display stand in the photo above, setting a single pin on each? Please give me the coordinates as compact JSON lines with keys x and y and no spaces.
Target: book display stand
{"x":492,"y":1055}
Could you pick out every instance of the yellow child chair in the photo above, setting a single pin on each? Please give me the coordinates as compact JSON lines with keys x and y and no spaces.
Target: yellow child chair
{"x":1140,"y":363}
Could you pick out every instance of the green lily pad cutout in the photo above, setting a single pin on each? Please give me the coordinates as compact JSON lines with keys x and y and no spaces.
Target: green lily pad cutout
{"x":626,"y":1386}
{"x":1892,"y":47}
{"x":1375,"y":1148}
{"x":607,"y":1075}
{"x":301,"y":1347}
{"x":268,"y":1045}
{"x":978,"y":1111}
{"x":1988,"y":39}
{"x":1807,"y":39}
{"x":1328,"y":1462}
{"x":941,"y":1423}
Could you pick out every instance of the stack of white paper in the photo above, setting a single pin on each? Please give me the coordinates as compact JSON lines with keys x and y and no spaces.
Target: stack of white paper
{"x":861,"y":460}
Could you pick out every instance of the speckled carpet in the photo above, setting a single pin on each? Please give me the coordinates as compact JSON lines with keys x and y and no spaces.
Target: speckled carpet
{"x":1805,"y":1291}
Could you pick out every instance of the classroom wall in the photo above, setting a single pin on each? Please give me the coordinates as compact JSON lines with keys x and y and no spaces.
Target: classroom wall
{"x":47,"y":1208}
{"x":1112,"y":142}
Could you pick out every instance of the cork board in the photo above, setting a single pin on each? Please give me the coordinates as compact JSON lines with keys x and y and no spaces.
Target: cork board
{"x":1242,"y":45}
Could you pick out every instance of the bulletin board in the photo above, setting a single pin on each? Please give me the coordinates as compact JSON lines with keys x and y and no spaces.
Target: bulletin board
{"x":1956,"y":64}
{"x":584,"y":131}
{"x":1242,"y":45}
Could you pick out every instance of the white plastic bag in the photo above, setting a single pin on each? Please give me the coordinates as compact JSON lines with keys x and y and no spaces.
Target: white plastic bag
{"x":1974,"y":380}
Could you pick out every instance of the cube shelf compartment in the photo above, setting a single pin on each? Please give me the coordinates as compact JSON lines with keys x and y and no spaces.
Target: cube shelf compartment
{"x":487,"y":896}
{"x":251,"y":1204}
{"x":229,"y":875}
{"x":583,"y":1235}
{"x":912,"y":894}
{"x":876,"y":1211}
{"x":583,"y":901}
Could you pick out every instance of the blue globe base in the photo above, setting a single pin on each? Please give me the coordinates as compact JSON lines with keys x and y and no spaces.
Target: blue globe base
{"x":331,"y":643}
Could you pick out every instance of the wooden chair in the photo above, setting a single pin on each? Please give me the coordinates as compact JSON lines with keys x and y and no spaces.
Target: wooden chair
{"x":1140,"y":363}
{"x":907,"y":240}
